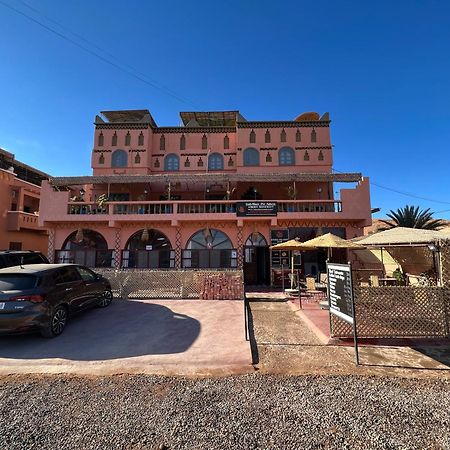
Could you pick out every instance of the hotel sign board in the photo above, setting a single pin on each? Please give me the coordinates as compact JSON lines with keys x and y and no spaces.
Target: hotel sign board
{"x":340,"y":291}
{"x":257,"y":208}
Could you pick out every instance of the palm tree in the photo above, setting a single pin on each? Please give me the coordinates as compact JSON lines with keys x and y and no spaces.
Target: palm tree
{"x":413,"y":217}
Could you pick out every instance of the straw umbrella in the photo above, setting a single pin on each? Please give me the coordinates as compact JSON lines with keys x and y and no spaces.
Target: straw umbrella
{"x":330,"y":241}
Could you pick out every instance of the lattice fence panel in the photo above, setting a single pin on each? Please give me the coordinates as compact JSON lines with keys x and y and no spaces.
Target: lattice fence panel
{"x":398,"y":311}
{"x":240,"y":248}
{"x":166,"y":284}
{"x":51,"y":245}
{"x":445,"y":263}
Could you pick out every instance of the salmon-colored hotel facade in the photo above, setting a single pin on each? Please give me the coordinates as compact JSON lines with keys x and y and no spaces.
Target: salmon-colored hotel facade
{"x":215,"y":192}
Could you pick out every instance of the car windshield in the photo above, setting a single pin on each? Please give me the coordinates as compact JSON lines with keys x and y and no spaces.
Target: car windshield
{"x":14,"y":282}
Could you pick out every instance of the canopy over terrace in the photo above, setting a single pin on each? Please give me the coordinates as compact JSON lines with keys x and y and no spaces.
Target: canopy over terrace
{"x":205,"y":178}
{"x":402,"y":236}
{"x":414,"y":249}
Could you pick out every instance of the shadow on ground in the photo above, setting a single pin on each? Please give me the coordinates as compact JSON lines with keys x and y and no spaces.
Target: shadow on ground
{"x":125,"y":329}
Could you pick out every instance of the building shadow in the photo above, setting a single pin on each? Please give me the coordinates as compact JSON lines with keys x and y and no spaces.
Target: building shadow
{"x":251,"y":333}
{"x":439,"y":354}
{"x":123,"y":330}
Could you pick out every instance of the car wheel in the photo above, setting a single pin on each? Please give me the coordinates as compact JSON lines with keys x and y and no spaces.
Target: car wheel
{"x":106,"y":299}
{"x":56,"y":324}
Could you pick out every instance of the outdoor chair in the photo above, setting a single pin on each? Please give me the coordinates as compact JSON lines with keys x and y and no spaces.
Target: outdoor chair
{"x":312,"y":291}
{"x":323,"y":282}
{"x":374,"y":280}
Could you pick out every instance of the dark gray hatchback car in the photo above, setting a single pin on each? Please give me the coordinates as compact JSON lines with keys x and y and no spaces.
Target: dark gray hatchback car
{"x":41,"y":297}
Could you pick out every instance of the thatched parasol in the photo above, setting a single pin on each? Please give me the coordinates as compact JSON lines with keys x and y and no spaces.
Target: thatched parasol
{"x":329,"y":241}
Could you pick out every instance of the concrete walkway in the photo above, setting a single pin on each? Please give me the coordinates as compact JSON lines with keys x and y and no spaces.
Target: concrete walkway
{"x":180,"y":337}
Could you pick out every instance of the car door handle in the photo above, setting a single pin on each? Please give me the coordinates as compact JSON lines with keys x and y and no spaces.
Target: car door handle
{"x":69,"y":289}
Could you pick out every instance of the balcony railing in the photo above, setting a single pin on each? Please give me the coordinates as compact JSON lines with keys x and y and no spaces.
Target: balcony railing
{"x":18,"y":219}
{"x":197,"y":207}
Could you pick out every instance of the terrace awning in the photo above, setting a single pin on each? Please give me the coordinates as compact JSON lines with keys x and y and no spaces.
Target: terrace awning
{"x":206,"y":178}
{"x":402,"y":236}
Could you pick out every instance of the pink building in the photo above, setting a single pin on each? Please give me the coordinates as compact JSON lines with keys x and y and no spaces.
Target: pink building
{"x":215,"y":192}
{"x":19,"y":201}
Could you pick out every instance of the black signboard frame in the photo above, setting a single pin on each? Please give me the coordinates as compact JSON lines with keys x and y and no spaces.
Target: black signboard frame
{"x":256,"y":208}
{"x":340,"y":296}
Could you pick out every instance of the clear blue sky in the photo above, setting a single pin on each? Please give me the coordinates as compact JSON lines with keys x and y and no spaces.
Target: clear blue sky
{"x":382,"y":70}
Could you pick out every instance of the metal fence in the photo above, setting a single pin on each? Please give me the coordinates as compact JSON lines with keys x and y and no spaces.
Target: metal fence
{"x":166,"y":284}
{"x":398,"y":311}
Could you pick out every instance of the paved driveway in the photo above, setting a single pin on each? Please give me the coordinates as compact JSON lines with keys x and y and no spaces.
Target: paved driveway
{"x":165,"y":337}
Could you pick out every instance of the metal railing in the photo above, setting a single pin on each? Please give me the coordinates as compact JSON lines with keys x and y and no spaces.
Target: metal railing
{"x":197,"y":207}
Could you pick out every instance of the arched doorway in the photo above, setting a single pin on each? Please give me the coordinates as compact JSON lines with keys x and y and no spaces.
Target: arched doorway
{"x":256,"y":260}
{"x":149,"y":249}
{"x":208,"y":249}
{"x":85,"y":247}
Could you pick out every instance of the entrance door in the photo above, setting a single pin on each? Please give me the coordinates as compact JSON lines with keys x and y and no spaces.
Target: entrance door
{"x":263,"y":265}
{"x":256,"y":265}
{"x":256,"y":260}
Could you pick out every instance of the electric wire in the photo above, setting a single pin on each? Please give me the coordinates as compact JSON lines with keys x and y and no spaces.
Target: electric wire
{"x":122,"y":67}
{"x":408,"y":194}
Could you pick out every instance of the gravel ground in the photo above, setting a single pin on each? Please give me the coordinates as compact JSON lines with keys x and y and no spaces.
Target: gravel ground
{"x":246,"y":412}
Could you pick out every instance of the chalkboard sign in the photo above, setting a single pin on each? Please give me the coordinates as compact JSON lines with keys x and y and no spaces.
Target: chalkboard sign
{"x":340,"y":291}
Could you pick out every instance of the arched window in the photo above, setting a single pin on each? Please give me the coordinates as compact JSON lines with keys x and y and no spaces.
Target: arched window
{"x":298,"y":136}
{"x":137,"y":159}
{"x":283,"y":135}
{"x":128,"y":139}
{"x":119,"y":158}
{"x":148,"y":249}
{"x":320,"y":157}
{"x":251,"y":157}
{"x":204,"y":142}
{"x":215,"y":161}
{"x":226,"y":142}
{"x":286,"y":156}
{"x":85,"y":239}
{"x":100,"y":140}
{"x":182,"y":142}
{"x":141,"y":139}
{"x":209,"y":248}
{"x":144,"y":239}
{"x":101,"y":159}
{"x":162,"y":142}
{"x":252,"y":139}
{"x":209,"y":239}
{"x":267,"y":137}
{"x":114,"y":139}
{"x":85,"y":247}
{"x":256,"y":240}
{"x":313,"y":135}
{"x":172,"y":162}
